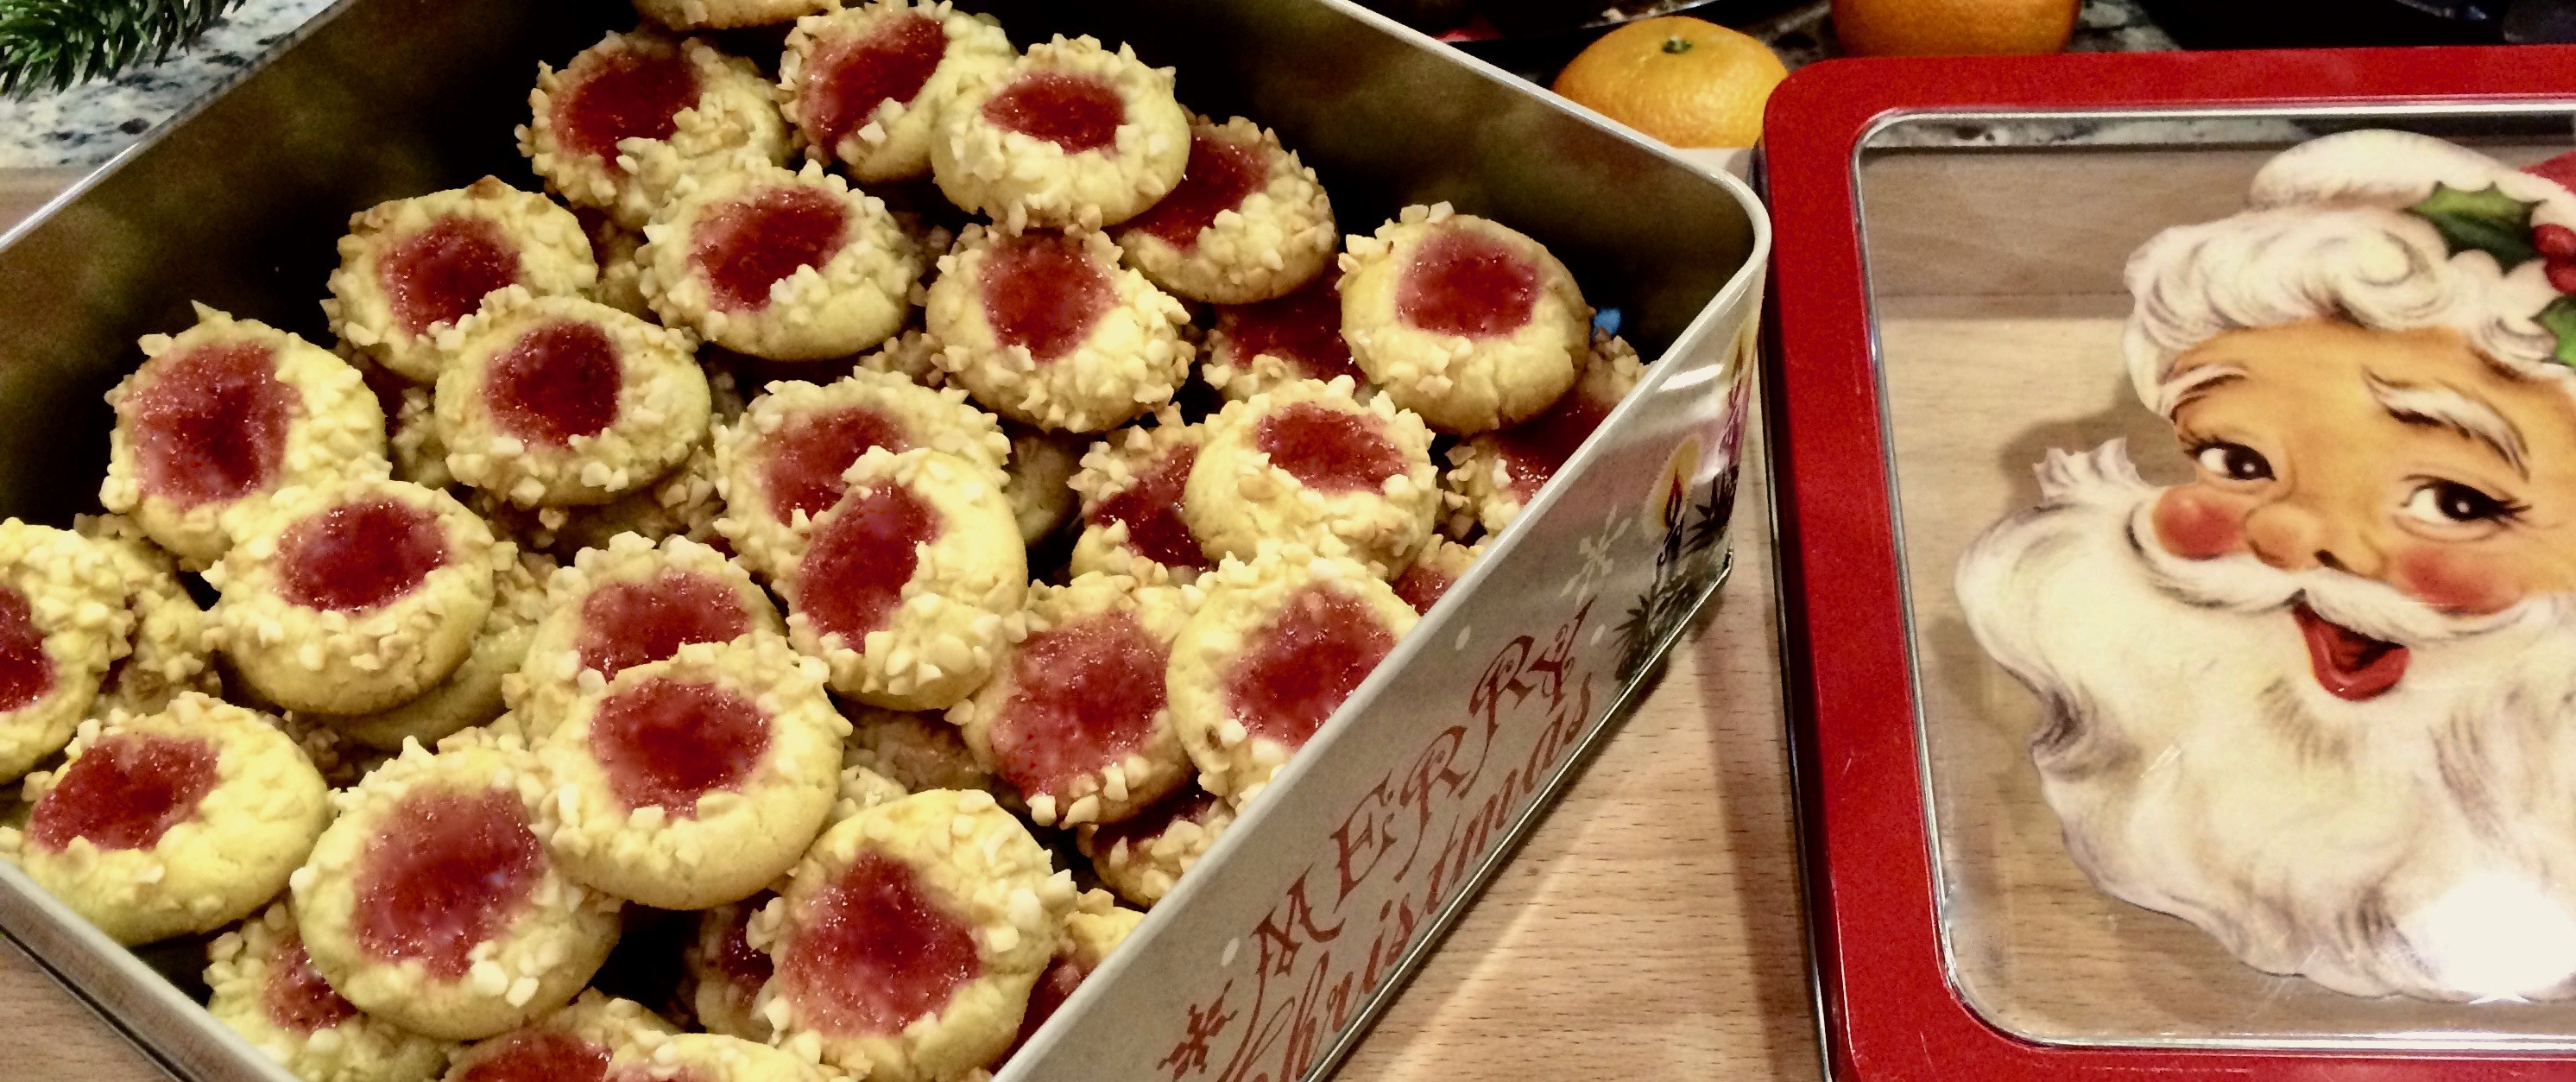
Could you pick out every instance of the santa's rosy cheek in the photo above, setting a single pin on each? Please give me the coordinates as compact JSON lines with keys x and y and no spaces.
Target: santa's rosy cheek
{"x":2456,"y":580}
{"x":2197,"y":524}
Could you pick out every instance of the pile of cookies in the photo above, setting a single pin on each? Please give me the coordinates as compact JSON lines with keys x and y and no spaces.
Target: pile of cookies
{"x":841,"y":493}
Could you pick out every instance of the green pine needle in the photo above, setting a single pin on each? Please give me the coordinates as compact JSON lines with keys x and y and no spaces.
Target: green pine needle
{"x":52,"y":44}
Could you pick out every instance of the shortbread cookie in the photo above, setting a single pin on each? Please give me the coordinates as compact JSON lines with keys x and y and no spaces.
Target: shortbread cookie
{"x":684,"y":503}
{"x":1143,"y":857}
{"x":353,"y":597}
{"x":471,"y":695}
{"x":781,"y":462}
{"x":726,"y":14}
{"x":637,"y":93}
{"x":909,"y":938}
{"x":866,"y":84}
{"x":1096,"y":927}
{"x":1075,"y":717}
{"x":63,"y":625}
{"x":574,"y":1044}
{"x":1247,"y":223}
{"x":1047,"y":329}
{"x":561,"y":400}
{"x":698,"y":780}
{"x":1462,"y":320}
{"x":722,"y":975}
{"x":862,"y":789}
{"x":432,"y":903}
{"x":1256,"y":347}
{"x":1038,"y":481}
{"x":1131,"y":485}
{"x":1306,"y":463}
{"x":411,"y":268}
{"x":173,"y":823}
{"x":712,"y":1057}
{"x":915,"y":751}
{"x":632,"y":603}
{"x":789,"y":266}
{"x":268,"y":991}
{"x":1500,"y":471}
{"x":1428,"y":580}
{"x":169,"y":644}
{"x":228,"y":410}
{"x":613,"y":247}
{"x":1069,"y":135}
{"x":910,"y":585}
{"x":411,"y":436}
{"x":1272,"y":652}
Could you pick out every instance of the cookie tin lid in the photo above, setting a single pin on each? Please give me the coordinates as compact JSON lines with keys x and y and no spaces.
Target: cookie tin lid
{"x":2178,"y":541}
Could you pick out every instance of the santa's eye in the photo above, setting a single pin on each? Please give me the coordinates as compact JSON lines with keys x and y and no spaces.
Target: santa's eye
{"x":2450,"y":503}
{"x":2233,"y":461}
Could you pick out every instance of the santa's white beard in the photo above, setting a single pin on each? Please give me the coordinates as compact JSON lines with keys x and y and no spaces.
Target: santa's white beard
{"x":2422,"y":841}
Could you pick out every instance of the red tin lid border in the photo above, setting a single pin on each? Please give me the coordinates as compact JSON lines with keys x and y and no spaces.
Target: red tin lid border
{"x":1889,"y":1010}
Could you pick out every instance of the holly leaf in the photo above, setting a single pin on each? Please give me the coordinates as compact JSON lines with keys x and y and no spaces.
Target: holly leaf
{"x":2486,"y":220}
{"x":2559,"y":319}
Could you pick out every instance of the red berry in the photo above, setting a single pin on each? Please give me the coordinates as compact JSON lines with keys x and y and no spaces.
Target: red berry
{"x":2562,"y":275}
{"x":2554,"y":241}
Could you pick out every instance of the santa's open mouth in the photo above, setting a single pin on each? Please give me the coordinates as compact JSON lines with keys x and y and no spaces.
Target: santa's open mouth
{"x":2350,"y":665}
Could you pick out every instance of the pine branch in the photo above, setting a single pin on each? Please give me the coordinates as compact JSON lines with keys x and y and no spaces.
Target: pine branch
{"x":53,"y":44}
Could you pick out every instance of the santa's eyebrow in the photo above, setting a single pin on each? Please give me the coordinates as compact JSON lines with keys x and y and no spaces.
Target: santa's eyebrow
{"x":2442,"y":407}
{"x":2181,"y":390}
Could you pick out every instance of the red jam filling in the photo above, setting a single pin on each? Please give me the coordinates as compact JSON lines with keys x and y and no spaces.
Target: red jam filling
{"x":1054,"y":986}
{"x":1299,"y":669}
{"x":556,"y":382}
{"x":812,"y":450}
{"x":1042,"y":291}
{"x":625,"y":94}
{"x":1151,"y":508}
{"x":440,"y":274}
{"x":745,"y":246}
{"x":359,"y":555}
{"x":210,"y":424}
{"x":125,"y":792}
{"x":539,"y":1055}
{"x":1075,"y":112}
{"x":1303,"y":328}
{"x":1329,"y":450}
{"x":1087,"y":693}
{"x":853,"y":575}
{"x":669,"y":742}
{"x":1532,"y":451}
{"x":743,"y":967}
{"x":1220,"y":174}
{"x":1422,"y":587}
{"x":447,"y":871}
{"x":874,"y":952}
{"x":851,"y":77}
{"x":26,"y":673}
{"x":1466,"y":283}
{"x":625,"y":624}
{"x":297,"y":998}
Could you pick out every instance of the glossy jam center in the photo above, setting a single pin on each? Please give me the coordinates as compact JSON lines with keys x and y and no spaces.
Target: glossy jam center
{"x":556,"y":382}
{"x":625,"y":624}
{"x":746,"y":246}
{"x":851,"y":77}
{"x":1220,"y":174}
{"x":627,"y":94}
{"x":125,"y":792}
{"x":1329,"y":450}
{"x":814,"y":449}
{"x":1042,"y":291}
{"x":745,"y":968}
{"x":853,"y":575}
{"x":359,"y":555}
{"x":1299,"y":668}
{"x":440,"y":274}
{"x":1423,"y":587}
{"x":210,"y":424}
{"x":539,"y":1055}
{"x":1532,"y":451}
{"x":26,"y":673}
{"x":1075,"y":112}
{"x":669,"y":742}
{"x":1057,"y":984}
{"x":1466,"y":283}
{"x":297,"y":998}
{"x":1151,"y":508}
{"x":1087,"y":693}
{"x":448,"y":870}
{"x":1303,"y":329}
{"x":875,"y":952}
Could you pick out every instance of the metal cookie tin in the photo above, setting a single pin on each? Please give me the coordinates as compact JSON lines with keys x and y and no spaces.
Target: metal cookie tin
{"x":1276,"y":951}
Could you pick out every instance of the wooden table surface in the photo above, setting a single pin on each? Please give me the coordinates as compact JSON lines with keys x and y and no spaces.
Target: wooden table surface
{"x":1648,"y":929}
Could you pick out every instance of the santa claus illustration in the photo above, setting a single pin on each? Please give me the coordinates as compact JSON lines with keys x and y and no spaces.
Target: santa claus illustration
{"x":2320,"y":699}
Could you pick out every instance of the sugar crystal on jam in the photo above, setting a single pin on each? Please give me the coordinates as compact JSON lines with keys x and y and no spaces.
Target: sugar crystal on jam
{"x":1075,"y":112}
{"x":625,"y":624}
{"x":668,"y":742}
{"x":1466,"y":283}
{"x":850,"y":77}
{"x":1300,"y":667}
{"x":1533,"y":450}
{"x":297,"y":998}
{"x":125,"y":792}
{"x":1303,"y":329}
{"x":1151,"y":508}
{"x":1423,"y":587}
{"x":539,"y":1055}
{"x":447,"y":870}
{"x":209,"y":424}
{"x":626,"y":94}
{"x":558,"y":381}
{"x":875,"y":951}
{"x":1087,"y":691}
{"x":1042,"y":291}
{"x":1329,"y":450}
{"x":441,"y":274}
{"x":852,"y":577}
{"x":747,"y":245}
{"x":812,"y":450}
{"x":1220,"y":174}
{"x":26,"y":671}
{"x":359,"y":555}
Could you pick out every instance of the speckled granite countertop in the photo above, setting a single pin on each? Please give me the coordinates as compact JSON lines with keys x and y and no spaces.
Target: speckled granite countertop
{"x":89,"y":124}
